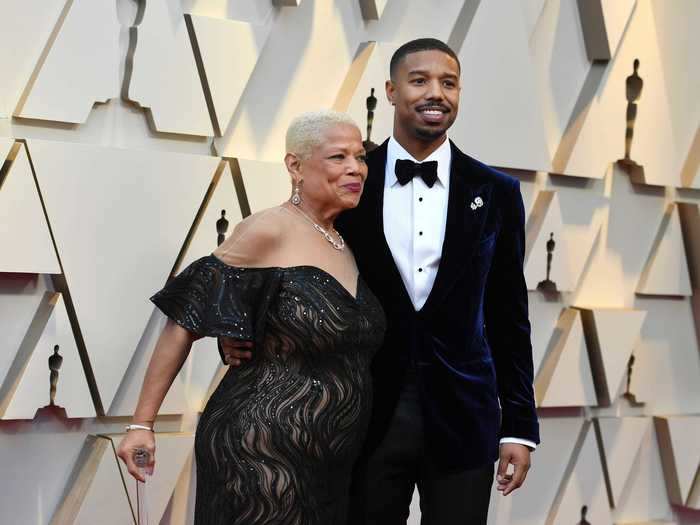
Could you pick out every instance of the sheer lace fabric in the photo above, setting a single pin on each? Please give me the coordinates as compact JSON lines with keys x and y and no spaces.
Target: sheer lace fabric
{"x":278,"y":438}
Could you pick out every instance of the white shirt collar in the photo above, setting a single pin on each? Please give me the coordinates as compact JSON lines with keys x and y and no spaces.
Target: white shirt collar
{"x":395,"y":151}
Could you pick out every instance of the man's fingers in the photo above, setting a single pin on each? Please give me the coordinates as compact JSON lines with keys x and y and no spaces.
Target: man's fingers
{"x":518,"y":478}
{"x":239,"y":354}
{"x":235,"y":356}
{"x":502,"y":467}
{"x":234,"y":343}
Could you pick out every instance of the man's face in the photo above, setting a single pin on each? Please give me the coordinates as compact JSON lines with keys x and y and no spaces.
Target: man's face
{"x":425,"y":92}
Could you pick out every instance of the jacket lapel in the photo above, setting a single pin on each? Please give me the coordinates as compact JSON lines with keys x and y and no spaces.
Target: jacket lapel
{"x":373,"y":201}
{"x":463,"y":228}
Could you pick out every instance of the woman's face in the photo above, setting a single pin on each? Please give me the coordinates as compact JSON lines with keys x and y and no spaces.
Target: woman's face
{"x":334,"y":175}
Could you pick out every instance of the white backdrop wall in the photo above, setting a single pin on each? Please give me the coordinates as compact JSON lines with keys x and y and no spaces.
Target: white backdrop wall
{"x":127,"y":126}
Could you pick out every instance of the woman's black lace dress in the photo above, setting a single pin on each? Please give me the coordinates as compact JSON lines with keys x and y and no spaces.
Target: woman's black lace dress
{"x":277,"y":440}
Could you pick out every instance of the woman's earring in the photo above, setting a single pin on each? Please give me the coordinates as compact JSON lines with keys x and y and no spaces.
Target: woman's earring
{"x":296,"y":198}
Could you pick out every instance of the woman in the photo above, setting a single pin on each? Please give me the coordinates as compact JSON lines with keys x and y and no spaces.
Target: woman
{"x":278,"y":438}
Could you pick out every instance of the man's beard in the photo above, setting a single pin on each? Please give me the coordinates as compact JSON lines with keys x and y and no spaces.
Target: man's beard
{"x":429,"y":133}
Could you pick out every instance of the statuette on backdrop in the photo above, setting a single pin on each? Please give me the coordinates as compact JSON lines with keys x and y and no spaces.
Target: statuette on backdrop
{"x":52,"y":410}
{"x":584,"y":521}
{"x":221,"y":228}
{"x":548,"y":286}
{"x":633,"y":92}
{"x":371,"y":103}
{"x":628,"y":395}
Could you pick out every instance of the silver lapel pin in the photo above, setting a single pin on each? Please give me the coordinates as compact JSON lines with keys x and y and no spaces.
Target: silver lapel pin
{"x":478,"y":202}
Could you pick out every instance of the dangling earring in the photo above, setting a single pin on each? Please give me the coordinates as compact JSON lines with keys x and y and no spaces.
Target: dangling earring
{"x":296,"y":198}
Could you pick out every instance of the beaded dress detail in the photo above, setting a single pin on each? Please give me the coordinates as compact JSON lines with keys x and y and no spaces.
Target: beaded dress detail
{"x":277,"y":440}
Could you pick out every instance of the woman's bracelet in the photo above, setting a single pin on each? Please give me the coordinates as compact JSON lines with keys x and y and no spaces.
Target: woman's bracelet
{"x":138,"y":427}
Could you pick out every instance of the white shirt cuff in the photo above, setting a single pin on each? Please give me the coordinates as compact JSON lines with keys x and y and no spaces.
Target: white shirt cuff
{"x":531,"y":445}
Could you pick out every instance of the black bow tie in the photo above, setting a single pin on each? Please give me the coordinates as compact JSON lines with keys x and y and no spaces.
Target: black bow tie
{"x":407,"y":169}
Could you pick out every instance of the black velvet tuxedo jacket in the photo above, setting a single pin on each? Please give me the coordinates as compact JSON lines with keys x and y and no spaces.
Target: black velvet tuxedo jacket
{"x":470,"y":342}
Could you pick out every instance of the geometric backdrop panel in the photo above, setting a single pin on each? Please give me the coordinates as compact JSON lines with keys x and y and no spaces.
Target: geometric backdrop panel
{"x":32,"y":390}
{"x":500,"y":124}
{"x":24,"y":235}
{"x":163,"y":56}
{"x":119,"y":219}
{"x":86,"y":47}
{"x":25,"y":25}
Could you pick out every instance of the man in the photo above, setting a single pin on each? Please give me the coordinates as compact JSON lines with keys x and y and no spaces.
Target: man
{"x":439,"y":238}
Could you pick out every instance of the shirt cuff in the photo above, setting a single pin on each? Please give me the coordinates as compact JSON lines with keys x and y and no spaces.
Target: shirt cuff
{"x":530,"y":444}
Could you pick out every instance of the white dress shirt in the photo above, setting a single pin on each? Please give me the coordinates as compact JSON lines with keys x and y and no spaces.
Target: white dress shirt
{"x":414,"y":226}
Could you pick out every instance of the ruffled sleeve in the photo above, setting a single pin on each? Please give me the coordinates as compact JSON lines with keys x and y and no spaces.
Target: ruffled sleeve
{"x":210,"y":298}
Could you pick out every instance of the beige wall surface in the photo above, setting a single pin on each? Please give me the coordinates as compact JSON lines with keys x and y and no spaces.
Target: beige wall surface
{"x":128,"y":126}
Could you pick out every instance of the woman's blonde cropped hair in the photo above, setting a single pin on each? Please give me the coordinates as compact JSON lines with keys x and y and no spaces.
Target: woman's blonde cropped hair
{"x":306,"y":131}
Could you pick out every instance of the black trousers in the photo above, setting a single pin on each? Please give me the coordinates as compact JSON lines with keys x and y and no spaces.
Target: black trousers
{"x":383,"y":485}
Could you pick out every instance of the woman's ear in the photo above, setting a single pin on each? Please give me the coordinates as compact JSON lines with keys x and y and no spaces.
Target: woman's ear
{"x":293,"y":163}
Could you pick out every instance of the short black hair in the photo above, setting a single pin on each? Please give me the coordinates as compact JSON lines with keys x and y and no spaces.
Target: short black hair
{"x":420,"y":44}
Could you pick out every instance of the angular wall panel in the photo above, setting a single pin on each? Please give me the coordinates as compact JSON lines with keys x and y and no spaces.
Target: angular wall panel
{"x":96,"y":491}
{"x":499,"y":123}
{"x":643,"y":498}
{"x":6,"y":145}
{"x":675,"y":25}
{"x":603,"y":23}
{"x":680,"y":455}
{"x":611,"y":335}
{"x":532,"y":10}
{"x":172,"y":453}
{"x":39,"y":465}
{"x":31,"y":390}
{"x":667,"y":363}
{"x":86,"y":48}
{"x":22,"y":318}
{"x":220,"y":203}
{"x":584,"y":495}
{"x":573,"y":244}
{"x":560,"y":65}
{"x":408,"y":19}
{"x":369,"y":71}
{"x":655,"y":145}
{"x":565,"y":378}
{"x":27,"y":25}
{"x":690,"y":173}
{"x":546,"y":313}
{"x":227,"y":51}
{"x":163,"y":56}
{"x":628,"y":232}
{"x":666,"y":270}
{"x":190,"y":388}
{"x":127,"y":395}
{"x":119,"y":218}
{"x":372,"y":9}
{"x":267,"y":184}
{"x":317,"y":37}
{"x":531,"y":504}
{"x":620,"y":440}
{"x":24,"y":235}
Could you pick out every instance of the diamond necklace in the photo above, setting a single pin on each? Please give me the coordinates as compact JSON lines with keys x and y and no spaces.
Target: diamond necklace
{"x":337,"y":245}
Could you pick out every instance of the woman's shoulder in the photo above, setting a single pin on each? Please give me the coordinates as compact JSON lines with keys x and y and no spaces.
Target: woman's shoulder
{"x":254,"y":238}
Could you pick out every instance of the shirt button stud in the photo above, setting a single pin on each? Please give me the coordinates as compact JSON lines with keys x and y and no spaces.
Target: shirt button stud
{"x":420,"y":269}
{"x":420,"y":199}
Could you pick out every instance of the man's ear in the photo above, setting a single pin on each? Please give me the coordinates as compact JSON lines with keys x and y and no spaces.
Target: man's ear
{"x":293,"y":163}
{"x":390,"y":90}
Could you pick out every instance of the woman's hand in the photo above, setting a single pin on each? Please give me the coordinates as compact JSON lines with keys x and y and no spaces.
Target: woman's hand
{"x":134,"y":440}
